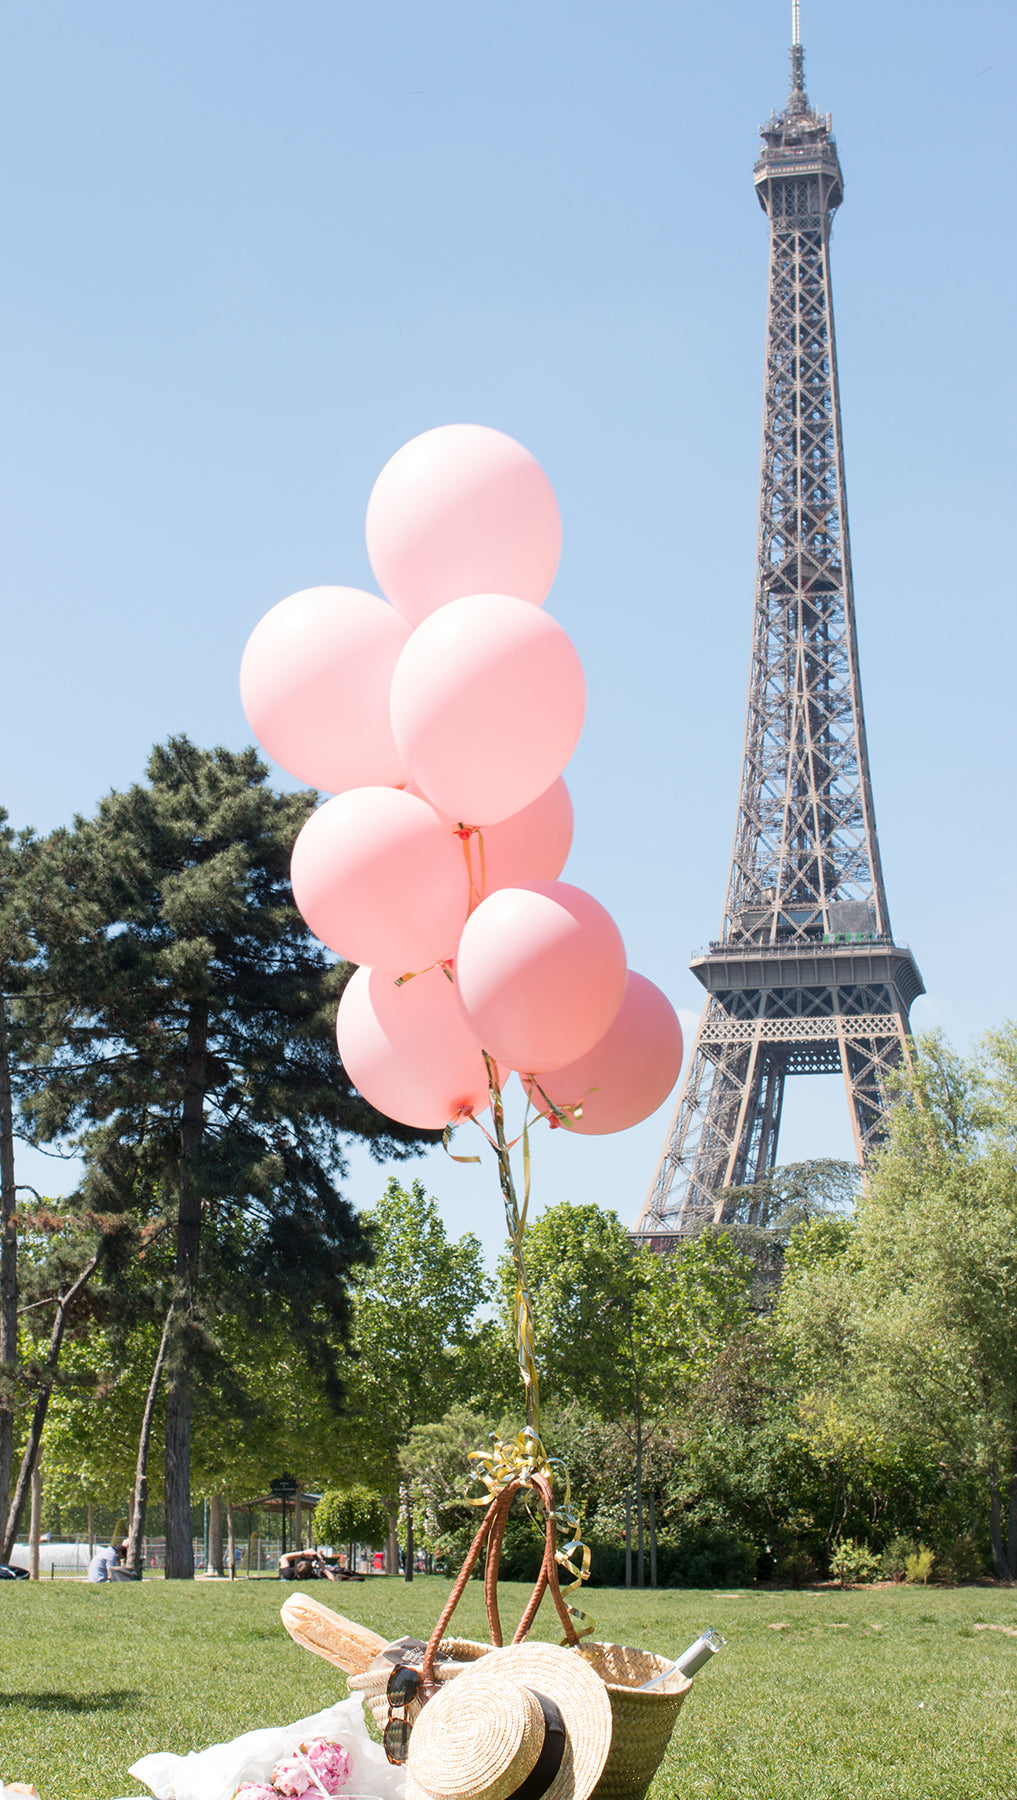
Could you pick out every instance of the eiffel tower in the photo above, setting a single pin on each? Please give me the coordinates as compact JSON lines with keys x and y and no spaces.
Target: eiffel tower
{"x":806,"y":978}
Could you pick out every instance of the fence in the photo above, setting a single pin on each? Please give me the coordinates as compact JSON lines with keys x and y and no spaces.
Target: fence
{"x":258,"y":1555}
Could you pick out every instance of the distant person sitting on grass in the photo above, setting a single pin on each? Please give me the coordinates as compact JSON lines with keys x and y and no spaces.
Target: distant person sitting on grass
{"x":105,"y":1561}
{"x":101,"y":1564}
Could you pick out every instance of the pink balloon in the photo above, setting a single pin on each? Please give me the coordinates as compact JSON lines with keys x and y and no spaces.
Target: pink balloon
{"x":408,"y":1050}
{"x":380,"y":878}
{"x":540,"y":973}
{"x":314,"y":682}
{"x":462,"y":510}
{"x":533,"y":845}
{"x":627,"y":1075}
{"x":487,"y":706}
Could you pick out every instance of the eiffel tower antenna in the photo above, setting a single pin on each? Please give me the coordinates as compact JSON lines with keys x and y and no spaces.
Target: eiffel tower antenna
{"x":797,"y":55}
{"x":805,"y":978}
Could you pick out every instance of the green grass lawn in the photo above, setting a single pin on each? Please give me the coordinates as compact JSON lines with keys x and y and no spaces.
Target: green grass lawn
{"x":879,"y":1693}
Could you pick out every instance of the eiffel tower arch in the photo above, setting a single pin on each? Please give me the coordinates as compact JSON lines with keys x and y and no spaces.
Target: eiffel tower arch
{"x":806,"y":977}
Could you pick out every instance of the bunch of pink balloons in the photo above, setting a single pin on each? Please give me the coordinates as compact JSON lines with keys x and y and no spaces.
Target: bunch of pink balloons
{"x":441,"y":718}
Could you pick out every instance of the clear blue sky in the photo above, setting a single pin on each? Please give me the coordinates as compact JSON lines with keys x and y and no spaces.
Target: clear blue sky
{"x":250,"y":249}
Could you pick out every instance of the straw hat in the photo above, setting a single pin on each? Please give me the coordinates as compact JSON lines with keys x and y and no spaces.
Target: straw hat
{"x":481,"y":1737}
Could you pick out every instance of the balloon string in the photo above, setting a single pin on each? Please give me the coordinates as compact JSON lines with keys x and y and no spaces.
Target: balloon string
{"x":523,"y":1303}
{"x":465,"y":834}
{"x":445,"y":965}
{"x":558,"y":1116}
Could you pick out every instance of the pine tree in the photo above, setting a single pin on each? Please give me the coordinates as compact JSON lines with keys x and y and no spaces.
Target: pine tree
{"x":191,"y":1054}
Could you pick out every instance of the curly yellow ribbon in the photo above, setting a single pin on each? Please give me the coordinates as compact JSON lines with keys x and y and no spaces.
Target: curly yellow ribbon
{"x":520,"y":1459}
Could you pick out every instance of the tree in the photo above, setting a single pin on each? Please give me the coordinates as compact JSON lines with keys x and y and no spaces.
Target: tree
{"x":623,"y":1332}
{"x":770,"y":1209}
{"x":190,"y":1050}
{"x":17,"y":952}
{"x":43,"y":1380}
{"x":95,"y":1416}
{"x":436,"y":1465}
{"x":350,"y":1516}
{"x":909,"y":1325}
{"x":415,"y":1335}
{"x":584,"y":1277}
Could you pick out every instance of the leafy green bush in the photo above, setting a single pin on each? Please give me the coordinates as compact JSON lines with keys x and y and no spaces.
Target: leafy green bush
{"x":791,"y":1565}
{"x":854,"y":1562}
{"x":522,"y":1550}
{"x":707,"y":1556}
{"x":961,"y":1559}
{"x":703,"y":1556}
{"x":895,"y":1557}
{"x":919,"y":1566}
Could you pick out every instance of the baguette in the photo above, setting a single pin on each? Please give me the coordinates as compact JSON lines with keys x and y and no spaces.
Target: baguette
{"x":340,"y":1641}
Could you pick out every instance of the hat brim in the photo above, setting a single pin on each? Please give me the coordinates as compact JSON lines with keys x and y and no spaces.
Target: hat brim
{"x":564,"y":1677}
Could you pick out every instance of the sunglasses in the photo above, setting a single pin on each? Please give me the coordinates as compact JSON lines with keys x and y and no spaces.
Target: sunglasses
{"x":404,"y":1686}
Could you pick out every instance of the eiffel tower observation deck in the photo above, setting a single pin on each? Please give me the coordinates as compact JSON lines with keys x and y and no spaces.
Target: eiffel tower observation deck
{"x":805,"y":978}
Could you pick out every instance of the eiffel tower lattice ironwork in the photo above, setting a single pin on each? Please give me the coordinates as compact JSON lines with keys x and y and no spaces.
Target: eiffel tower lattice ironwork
{"x":806,"y":977}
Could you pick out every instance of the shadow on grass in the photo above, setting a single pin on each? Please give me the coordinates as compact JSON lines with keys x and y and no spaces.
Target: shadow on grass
{"x":115,"y":1700}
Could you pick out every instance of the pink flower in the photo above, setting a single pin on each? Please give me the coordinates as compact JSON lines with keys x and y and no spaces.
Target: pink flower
{"x":315,"y":1768}
{"x":253,"y":1790}
{"x":291,"y":1776}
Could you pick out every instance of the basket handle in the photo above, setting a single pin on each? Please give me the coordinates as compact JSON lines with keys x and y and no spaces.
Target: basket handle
{"x":548,"y":1577}
{"x":492,"y":1531}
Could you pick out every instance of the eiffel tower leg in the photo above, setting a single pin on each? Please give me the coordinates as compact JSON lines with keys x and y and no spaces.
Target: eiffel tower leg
{"x":698,"y":1142}
{"x":724,"y":1128}
{"x":869,"y":1061}
{"x":766,"y":1125}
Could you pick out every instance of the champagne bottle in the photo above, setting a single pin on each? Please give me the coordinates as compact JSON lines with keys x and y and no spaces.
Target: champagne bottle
{"x":705,"y":1646}
{"x":691,"y":1660}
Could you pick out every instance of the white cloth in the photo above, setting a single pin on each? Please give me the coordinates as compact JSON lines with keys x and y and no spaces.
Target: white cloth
{"x":216,"y":1774}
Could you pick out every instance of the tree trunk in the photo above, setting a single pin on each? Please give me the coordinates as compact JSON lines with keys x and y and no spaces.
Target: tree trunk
{"x":8,"y":1267}
{"x":392,"y":1547}
{"x":41,"y":1406}
{"x":231,"y":1540}
{"x":298,"y":1520}
{"x":640,"y":1558}
{"x":995,"y":1525}
{"x":215,"y":1512}
{"x":179,"y":1549}
{"x":91,"y":1531}
{"x":1011,"y":1572}
{"x":35,"y":1528}
{"x":139,"y":1504}
{"x":408,"y":1571}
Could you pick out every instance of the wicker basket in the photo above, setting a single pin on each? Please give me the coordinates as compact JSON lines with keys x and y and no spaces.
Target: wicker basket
{"x":642,"y":1723}
{"x":453,"y":1655}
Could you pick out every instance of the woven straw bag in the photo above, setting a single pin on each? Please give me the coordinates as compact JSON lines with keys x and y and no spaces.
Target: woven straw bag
{"x":641,"y":1723}
{"x":453,"y":1655}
